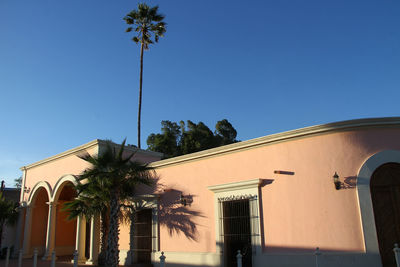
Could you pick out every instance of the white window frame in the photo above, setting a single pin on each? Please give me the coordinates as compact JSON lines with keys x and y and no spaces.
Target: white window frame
{"x":150,"y":201}
{"x":237,"y":190}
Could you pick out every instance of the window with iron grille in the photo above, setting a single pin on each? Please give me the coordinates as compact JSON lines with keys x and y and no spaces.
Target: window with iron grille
{"x":238,"y":221}
{"x":238,"y":228}
{"x":143,"y":236}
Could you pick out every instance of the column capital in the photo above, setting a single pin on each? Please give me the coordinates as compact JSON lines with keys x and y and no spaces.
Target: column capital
{"x":52,"y":203}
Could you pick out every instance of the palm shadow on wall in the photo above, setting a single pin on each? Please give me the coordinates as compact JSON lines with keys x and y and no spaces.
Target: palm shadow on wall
{"x":175,"y":216}
{"x":172,"y":214}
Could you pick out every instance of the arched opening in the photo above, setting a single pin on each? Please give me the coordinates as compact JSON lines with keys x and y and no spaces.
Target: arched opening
{"x":65,"y":232}
{"x":385,"y":196}
{"x":40,"y":212}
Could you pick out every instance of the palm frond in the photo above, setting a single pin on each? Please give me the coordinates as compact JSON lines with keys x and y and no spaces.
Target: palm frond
{"x":144,"y":18}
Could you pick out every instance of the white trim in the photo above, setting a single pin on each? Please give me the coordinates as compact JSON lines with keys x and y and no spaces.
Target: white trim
{"x":339,"y":259}
{"x":179,"y":259}
{"x":41,"y":184}
{"x":364,"y":196}
{"x":21,"y":196}
{"x":60,"y":185}
{"x":235,"y":186}
{"x":141,"y":202}
{"x":242,"y":188}
{"x":359,"y":124}
{"x":75,"y":150}
{"x":130,"y":148}
{"x":80,"y":149}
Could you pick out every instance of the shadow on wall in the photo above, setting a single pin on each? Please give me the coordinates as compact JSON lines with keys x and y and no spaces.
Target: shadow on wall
{"x":349,"y":182}
{"x":172,"y":214}
{"x":175,"y":216}
{"x":166,"y":205}
{"x":281,"y":257}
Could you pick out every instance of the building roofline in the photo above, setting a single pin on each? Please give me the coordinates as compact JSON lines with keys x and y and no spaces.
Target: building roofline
{"x":386,"y":122}
{"x":81,"y":148}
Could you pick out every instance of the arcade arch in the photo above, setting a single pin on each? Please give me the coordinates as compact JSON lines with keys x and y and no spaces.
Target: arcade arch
{"x":38,"y":205}
{"x":65,"y":229}
{"x":47,"y":227}
{"x":364,"y":185}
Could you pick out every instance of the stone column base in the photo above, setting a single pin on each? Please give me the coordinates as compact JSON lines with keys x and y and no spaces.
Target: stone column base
{"x":91,"y":262}
{"x":80,"y":261}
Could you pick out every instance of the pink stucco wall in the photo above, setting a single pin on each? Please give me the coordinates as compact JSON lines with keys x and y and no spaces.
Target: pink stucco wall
{"x":52,"y":171}
{"x":300,"y":211}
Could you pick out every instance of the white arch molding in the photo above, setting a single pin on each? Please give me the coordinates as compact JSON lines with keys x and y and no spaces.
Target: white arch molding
{"x":69,"y":178}
{"x":364,"y":195}
{"x":36,"y":188}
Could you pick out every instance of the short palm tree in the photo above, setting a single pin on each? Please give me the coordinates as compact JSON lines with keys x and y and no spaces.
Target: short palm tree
{"x":106,"y":186}
{"x":149,"y":27}
{"x":8,"y":213}
{"x":92,"y":200}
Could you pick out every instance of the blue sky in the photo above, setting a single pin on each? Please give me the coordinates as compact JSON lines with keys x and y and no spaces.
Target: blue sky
{"x":69,"y":73}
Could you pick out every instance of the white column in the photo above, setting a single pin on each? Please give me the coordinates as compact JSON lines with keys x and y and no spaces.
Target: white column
{"x":27,"y":232}
{"x":21,"y":196}
{"x":51,"y":230}
{"x":17,"y":241}
{"x":80,"y":238}
{"x":94,"y":240}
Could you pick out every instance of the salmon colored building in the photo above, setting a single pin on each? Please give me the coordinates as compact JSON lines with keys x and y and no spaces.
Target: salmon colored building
{"x":273,"y":198}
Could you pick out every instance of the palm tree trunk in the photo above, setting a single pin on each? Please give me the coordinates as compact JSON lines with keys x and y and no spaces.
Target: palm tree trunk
{"x":105,"y":223}
{"x":112,"y":252}
{"x":1,"y":233}
{"x":140,"y":91}
{"x":132,"y":233}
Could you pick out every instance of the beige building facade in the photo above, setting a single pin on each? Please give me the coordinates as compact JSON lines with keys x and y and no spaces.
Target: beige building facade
{"x":273,"y":198}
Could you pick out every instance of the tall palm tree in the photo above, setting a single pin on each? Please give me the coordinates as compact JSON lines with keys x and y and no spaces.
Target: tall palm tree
{"x":113,"y":176}
{"x":148,"y":25}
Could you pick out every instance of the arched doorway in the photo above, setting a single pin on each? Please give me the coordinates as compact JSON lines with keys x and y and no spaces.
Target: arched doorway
{"x":65,"y":232}
{"x":385,"y":195}
{"x":40,"y":212}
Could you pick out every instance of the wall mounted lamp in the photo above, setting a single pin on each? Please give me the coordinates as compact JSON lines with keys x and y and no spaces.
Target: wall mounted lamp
{"x":336,"y":181}
{"x":186,"y":200}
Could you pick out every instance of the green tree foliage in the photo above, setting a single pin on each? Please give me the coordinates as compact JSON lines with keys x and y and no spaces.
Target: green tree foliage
{"x":92,"y":200}
{"x":18,"y":182}
{"x":167,"y":141}
{"x":148,"y":25}
{"x":105,"y":187}
{"x":225,"y":132}
{"x":175,"y":140}
{"x":8,"y":213}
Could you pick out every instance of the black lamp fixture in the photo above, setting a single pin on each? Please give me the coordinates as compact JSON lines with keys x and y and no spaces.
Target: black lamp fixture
{"x":336,"y":181}
{"x":186,"y":200}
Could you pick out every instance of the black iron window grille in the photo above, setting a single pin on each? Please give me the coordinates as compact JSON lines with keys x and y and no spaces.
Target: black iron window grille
{"x":238,"y":227}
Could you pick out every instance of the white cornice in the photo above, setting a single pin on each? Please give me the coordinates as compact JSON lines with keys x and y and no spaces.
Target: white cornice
{"x":235,"y":186}
{"x":63,"y":154}
{"x":79,"y":149}
{"x":133,"y":149}
{"x":389,"y":122}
